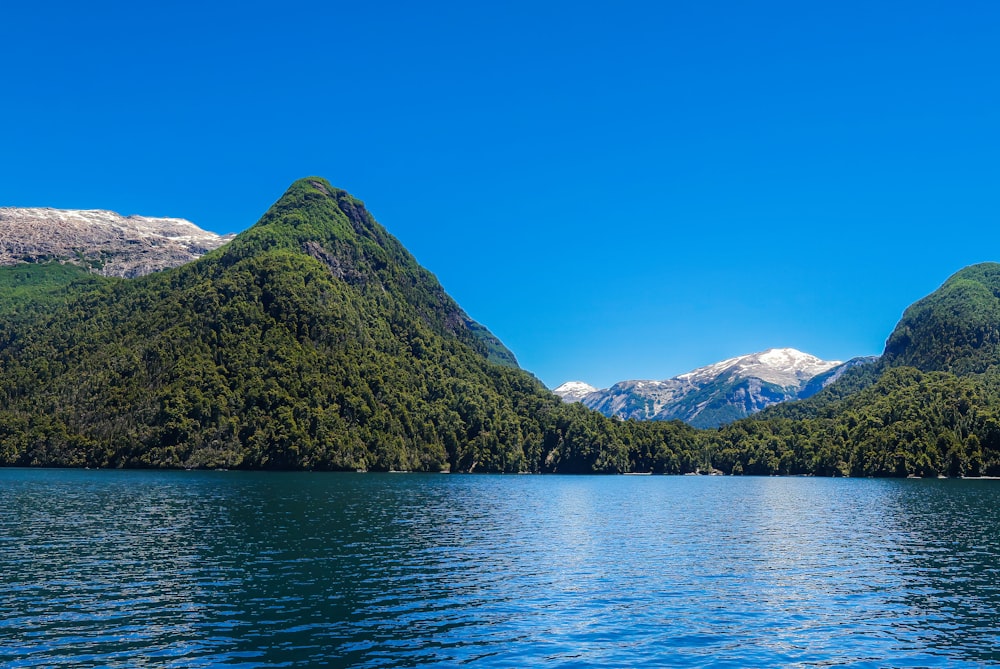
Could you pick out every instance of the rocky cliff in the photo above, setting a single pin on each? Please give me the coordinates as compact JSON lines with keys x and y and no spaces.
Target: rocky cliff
{"x":103,"y":241}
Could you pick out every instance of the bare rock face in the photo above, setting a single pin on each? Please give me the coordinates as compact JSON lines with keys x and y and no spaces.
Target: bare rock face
{"x":103,"y":241}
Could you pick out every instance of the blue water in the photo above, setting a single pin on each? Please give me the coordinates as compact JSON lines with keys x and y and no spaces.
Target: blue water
{"x":195,"y":569}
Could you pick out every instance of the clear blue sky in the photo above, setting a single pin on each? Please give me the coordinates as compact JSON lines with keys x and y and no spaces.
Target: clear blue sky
{"x":616,"y":189}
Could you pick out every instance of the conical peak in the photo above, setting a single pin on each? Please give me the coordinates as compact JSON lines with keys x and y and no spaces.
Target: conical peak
{"x":317,"y":185}
{"x":312,"y":205}
{"x":316,"y":189}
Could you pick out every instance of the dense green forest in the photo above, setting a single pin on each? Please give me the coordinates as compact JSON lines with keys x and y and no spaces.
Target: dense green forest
{"x":930,"y":406}
{"x":315,"y":341}
{"x":906,"y":423}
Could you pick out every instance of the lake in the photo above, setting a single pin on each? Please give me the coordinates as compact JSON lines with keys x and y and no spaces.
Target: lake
{"x":197,"y":569}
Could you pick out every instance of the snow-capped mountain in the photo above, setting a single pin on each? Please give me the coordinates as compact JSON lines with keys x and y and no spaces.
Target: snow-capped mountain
{"x":106,"y":242}
{"x":574,"y":391}
{"x":780,"y":366}
{"x":712,"y":395}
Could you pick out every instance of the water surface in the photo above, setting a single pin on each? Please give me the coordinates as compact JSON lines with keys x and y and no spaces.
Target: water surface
{"x":192,"y":569}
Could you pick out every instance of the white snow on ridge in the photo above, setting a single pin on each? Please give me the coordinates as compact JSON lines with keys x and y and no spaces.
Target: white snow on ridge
{"x":709,"y":372}
{"x":178,"y":228}
{"x":117,"y":245}
{"x":781,"y":366}
{"x":735,"y":384}
{"x":145,"y":225}
{"x":786,"y":367}
{"x":574,"y":391}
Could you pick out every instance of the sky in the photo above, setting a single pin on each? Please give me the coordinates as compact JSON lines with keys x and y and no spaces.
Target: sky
{"x":618,"y":190}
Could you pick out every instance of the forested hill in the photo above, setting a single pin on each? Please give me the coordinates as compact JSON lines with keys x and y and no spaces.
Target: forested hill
{"x":311,"y":341}
{"x":929,"y":406}
{"x":334,"y":228}
{"x":315,"y":341}
{"x":954,"y":329}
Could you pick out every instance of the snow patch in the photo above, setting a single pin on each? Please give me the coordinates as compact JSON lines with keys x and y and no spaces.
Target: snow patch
{"x":118,"y":245}
{"x":574,"y":391}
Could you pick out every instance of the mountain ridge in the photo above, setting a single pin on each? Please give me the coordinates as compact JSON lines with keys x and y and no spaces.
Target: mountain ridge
{"x":710,"y":395}
{"x":101,"y":241}
{"x":313,"y":340}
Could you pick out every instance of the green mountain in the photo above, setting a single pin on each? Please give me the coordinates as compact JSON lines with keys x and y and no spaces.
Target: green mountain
{"x":954,"y":329}
{"x":907,"y":422}
{"x":929,"y":406}
{"x":311,"y":341}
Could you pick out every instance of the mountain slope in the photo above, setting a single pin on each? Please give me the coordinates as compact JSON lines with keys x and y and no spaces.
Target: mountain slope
{"x":103,"y":241}
{"x":955,"y":329}
{"x":834,"y":374}
{"x":311,"y":341}
{"x":715,"y":394}
{"x":929,"y":406}
{"x":335,"y":229}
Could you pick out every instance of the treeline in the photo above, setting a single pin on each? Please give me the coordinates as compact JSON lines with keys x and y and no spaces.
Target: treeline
{"x":907,"y":423}
{"x":315,"y":341}
{"x":271,"y":362}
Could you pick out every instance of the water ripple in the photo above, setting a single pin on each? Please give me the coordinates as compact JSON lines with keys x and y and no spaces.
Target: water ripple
{"x":190,"y":569}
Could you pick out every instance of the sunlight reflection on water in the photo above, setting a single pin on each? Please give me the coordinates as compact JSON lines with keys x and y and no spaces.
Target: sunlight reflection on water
{"x":239,"y":569}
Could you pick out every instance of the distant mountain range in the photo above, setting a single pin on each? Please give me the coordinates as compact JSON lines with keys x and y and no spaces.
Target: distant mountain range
{"x":102,"y":241}
{"x":715,"y":394}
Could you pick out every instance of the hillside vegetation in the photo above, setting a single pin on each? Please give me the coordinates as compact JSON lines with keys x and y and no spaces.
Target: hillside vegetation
{"x":311,"y":341}
{"x":954,"y":329}
{"x":929,"y":407}
{"x":315,"y":341}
